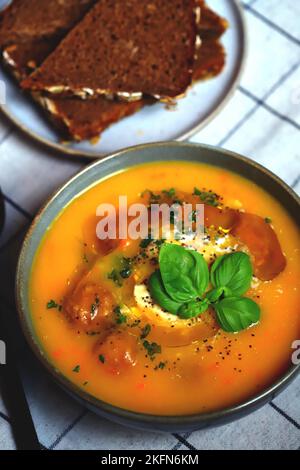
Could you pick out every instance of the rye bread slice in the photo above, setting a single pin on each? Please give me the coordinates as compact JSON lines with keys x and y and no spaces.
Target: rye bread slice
{"x":27,"y":20}
{"x":125,"y":49}
{"x":77,"y":119}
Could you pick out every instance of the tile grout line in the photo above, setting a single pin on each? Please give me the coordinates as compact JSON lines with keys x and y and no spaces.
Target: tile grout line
{"x":17,"y":207}
{"x":270,"y":23}
{"x":261,"y":103}
{"x":296,"y":182}
{"x":272,"y":90}
{"x":5,"y":417}
{"x":68,"y":429}
{"x":182,"y":440}
{"x":238,"y":125}
{"x":285,"y":415}
{"x":8,"y":420}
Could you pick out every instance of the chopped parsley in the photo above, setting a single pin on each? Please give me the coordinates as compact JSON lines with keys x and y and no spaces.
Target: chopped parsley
{"x":152,"y":349}
{"x":161,"y":366}
{"x":145,"y":242}
{"x":268,"y":220}
{"x":145,"y":331}
{"x":159,"y":243}
{"x":207,"y":197}
{"x":76,"y":369}
{"x":193,"y":216}
{"x":123,"y":272}
{"x":153,"y":198}
{"x":115,"y":277}
{"x":172,"y":217}
{"x":170,"y":193}
{"x":101,"y":358}
{"x":53,"y":304}
{"x":121,"y":318}
{"x":126,"y":268}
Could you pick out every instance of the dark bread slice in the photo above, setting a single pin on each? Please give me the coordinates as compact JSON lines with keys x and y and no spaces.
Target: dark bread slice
{"x":26,"y":20}
{"x":77,"y":119}
{"x":23,"y":58}
{"x":124,"y":47}
{"x":81,"y":120}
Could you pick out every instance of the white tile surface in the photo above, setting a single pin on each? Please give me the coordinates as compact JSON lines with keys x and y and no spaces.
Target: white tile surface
{"x":29,"y":173}
{"x":51,"y":408}
{"x":289,"y":401}
{"x":271,"y":142}
{"x":3,"y":408}
{"x":225,"y":121}
{"x":286,"y":100}
{"x":6,"y":437}
{"x":270,"y":55}
{"x":267,"y":430}
{"x":284,"y":13}
{"x":95,"y":433}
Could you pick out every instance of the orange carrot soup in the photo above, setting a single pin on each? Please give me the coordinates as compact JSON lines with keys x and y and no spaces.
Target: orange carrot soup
{"x":176,"y":323}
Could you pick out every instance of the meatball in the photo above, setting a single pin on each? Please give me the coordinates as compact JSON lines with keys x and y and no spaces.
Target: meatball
{"x":117,"y":352}
{"x":90,"y":307}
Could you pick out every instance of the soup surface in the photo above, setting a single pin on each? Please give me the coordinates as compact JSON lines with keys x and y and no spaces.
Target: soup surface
{"x":99,"y":325}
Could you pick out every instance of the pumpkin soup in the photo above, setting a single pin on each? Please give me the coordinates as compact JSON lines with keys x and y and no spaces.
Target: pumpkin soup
{"x":175,"y":323}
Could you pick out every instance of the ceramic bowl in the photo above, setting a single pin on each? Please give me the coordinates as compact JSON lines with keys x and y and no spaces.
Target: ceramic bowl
{"x":104,"y":168}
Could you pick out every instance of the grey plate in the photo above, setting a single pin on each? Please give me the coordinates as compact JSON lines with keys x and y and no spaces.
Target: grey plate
{"x":153,"y":123}
{"x":108,"y":166}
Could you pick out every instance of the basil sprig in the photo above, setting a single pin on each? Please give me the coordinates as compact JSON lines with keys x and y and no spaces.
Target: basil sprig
{"x":180,"y":286}
{"x":233,"y":272}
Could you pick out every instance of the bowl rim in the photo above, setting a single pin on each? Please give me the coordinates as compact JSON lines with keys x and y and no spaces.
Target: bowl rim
{"x":114,"y":412}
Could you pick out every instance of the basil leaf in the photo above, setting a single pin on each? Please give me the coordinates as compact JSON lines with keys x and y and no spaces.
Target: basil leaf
{"x":184,"y":272}
{"x":193,"y":309}
{"x":233,"y":271}
{"x":200,"y":276}
{"x":214,"y":294}
{"x":237,"y":313}
{"x":159,"y":294}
